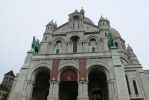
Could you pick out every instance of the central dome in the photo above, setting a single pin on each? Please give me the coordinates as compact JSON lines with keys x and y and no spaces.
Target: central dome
{"x":87,"y":20}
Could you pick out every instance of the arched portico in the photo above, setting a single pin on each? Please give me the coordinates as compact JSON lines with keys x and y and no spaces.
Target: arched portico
{"x":98,"y":77}
{"x":97,"y":86}
{"x":41,"y":84}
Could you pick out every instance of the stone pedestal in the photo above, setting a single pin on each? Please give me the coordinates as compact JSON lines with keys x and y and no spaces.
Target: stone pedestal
{"x":121,"y":85}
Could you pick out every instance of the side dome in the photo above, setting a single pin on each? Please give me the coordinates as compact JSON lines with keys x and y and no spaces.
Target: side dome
{"x":115,"y":32}
{"x":87,"y":20}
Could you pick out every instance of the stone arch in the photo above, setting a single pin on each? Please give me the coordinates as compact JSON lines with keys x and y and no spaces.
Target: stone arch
{"x":73,"y":35}
{"x":40,"y":78}
{"x":103,"y":66}
{"x":65,"y":67}
{"x":58,"y":39}
{"x":34,"y":70}
{"x":97,"y":82}
{"x":92,"y":37}
{"x":124,"y":61}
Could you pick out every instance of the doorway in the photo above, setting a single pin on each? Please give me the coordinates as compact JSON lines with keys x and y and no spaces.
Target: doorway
{"x":41,"y":86}
{"x":68,"y":89}
{"x":97,"y":87}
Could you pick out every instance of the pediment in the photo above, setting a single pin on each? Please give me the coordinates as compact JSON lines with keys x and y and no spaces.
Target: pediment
{"x":66,"y":28}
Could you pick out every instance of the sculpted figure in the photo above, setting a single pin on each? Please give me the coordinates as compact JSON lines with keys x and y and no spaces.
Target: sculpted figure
{"x":35,"y":45}
{"x":111,"y":42}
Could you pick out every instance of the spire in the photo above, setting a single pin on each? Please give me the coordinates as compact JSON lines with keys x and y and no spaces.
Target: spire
{"x":55,"y":24}
{"x":82,"y":11}
{"x":102,"y":18}
{"x":51,"y":23}
{"x":129,"y":48}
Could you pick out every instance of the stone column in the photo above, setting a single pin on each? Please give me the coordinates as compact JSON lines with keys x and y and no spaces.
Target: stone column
{"x":54,"y":86}
{"x":83,"y":90}
{"x":83,"y":84}
{"x":53,"y":91}
{"x":121,"y":85}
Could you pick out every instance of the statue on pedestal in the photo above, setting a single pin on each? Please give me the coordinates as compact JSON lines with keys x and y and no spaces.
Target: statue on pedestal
{"x":111,"y":42}
{"x":35,"y":45}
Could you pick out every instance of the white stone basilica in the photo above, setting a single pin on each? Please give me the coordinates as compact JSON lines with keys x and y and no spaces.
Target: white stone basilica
{"x":76,"y":62}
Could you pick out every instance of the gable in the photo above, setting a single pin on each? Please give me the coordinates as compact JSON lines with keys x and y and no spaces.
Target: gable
{"x":66,"y":28}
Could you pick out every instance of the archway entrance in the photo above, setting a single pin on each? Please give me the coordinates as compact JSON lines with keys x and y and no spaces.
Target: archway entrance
{"x":68,"y":85}
{"x":97,"y":87}
{"x":41,"y":86}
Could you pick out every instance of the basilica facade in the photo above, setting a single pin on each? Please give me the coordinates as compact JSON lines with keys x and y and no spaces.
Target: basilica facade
{"x":81,"y":61}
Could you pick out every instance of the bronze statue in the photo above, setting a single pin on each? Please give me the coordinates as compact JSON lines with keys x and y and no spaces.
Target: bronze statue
{"x":35,"y":45}
{"x":111,"y":42}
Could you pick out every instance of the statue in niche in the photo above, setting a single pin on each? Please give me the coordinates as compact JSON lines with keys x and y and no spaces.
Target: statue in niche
{"x":35,"y":45}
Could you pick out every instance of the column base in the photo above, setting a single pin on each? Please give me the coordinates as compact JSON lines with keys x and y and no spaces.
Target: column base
{"x":52,"y":97}
{"x":83,"y":98}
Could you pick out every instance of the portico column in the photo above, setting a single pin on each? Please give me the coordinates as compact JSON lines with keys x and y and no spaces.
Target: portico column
{"x":54,"y":85}
{"x":83,"y":84}
{"x":53,"y":91}
{"x":83,"y":90}
{"x":56,"y":90}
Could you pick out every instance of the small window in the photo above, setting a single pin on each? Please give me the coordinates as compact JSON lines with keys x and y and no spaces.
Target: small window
{"x":93,"y":49}
{"x":128,"y":84}
{"x":45,"y":38}
{"x":116,"y":44}
{"x":57,"y":51}
{"x":92,"y":41}
{"x":135,"y":87}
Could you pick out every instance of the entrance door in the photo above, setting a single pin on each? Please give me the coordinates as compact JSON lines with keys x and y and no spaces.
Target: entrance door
{"x":72,"y":95}
{"x":68,"y":89}
{"x":97,"y":87}
{"x":41,"y":87}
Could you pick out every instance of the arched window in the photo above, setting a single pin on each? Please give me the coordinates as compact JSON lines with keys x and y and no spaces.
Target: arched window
{"x":93,"y":49}
{"x":128,"y":84}
{"x":57,"y":51}
{"x":58,"y":43}
{"x":74,"y":40}
{"x":135,"y":87}
{"x":116,"y":44}
{"x":92,"y":41}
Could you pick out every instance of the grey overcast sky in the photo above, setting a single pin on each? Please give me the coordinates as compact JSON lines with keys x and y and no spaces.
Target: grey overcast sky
{"x":20,"y":20}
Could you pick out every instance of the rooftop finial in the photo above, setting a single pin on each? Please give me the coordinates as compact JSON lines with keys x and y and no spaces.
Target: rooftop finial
{"x":82,"y":11}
